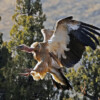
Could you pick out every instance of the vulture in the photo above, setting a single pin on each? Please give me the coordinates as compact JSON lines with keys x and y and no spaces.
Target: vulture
{"x":61,"y":48}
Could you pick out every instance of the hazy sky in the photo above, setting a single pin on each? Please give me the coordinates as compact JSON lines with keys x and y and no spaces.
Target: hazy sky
{"x":6,"y":11}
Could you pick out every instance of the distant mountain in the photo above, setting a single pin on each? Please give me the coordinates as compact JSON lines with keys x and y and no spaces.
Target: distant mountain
{"x":6,"y":11}
{"x":84,"y":10}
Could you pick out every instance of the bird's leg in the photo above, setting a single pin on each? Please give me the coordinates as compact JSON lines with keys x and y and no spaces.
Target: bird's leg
{"x":24,"y":74}
{"x":31,"y":72}
{"x":27,"y":70}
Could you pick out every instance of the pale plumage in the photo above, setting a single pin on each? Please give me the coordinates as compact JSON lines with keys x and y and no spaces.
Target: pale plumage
{"x":62,"y":46}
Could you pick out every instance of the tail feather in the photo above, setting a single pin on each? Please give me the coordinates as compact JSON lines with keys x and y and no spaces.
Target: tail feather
{"x":59,"y":86}
{"x":67,"y":86}
{"x":63,"y":83}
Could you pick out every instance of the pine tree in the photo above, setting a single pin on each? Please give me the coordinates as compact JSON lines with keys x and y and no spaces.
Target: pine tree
{"x":28,"y":20}
{"x":5,"y":56}
{"x":86,"y":80}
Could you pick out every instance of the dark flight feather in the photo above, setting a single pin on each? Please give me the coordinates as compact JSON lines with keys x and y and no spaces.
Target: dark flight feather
{"x":79,"y":38}
{"x":91,"y":30}
{"x":75,"y":53}
{"x":86,"y":40}
{"x":91,"y":26}
{"x":91,"y":35}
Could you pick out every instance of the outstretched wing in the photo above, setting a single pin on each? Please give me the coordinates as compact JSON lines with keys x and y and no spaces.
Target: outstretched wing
{"x":46,"y":34}
{"x":70,"y":38}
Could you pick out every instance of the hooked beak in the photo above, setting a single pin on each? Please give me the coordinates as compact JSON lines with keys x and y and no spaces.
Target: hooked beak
{"x":20,"y":47}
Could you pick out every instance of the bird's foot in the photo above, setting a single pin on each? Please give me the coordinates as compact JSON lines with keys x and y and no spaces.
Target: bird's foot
{"x":24,"y":74}
{"x":27,"y":72}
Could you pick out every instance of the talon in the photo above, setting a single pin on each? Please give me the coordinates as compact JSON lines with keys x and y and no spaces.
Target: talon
{"x":24,"y":74}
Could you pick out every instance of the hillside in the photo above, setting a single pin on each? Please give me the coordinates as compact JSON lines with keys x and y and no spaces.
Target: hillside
{"x":84,"y":10}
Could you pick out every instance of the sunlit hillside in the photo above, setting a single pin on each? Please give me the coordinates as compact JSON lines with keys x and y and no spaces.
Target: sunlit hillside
{"x":84,"y":10}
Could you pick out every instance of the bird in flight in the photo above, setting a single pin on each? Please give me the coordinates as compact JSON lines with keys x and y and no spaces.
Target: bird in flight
{"x":61,"y":47}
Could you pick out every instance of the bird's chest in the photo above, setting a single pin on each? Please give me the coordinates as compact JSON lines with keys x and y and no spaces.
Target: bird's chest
{"x":41,"y":55}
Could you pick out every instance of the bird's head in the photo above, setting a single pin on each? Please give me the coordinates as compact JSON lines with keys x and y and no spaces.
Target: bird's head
{"x":36,"y":46}
{"x":25,"y":48}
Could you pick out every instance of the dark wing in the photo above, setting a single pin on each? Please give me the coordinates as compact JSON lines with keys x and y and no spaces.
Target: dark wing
{"x":74,"y":35}
{"x":74,"y":54}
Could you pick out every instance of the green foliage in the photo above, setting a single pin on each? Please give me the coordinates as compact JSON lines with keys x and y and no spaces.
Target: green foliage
{"x":4,"y":54}
{"x":28,"y":20}
{"x":88,"y":74}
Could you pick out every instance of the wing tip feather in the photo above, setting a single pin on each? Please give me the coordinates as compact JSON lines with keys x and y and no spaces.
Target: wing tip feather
{"x":91,"y":26}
